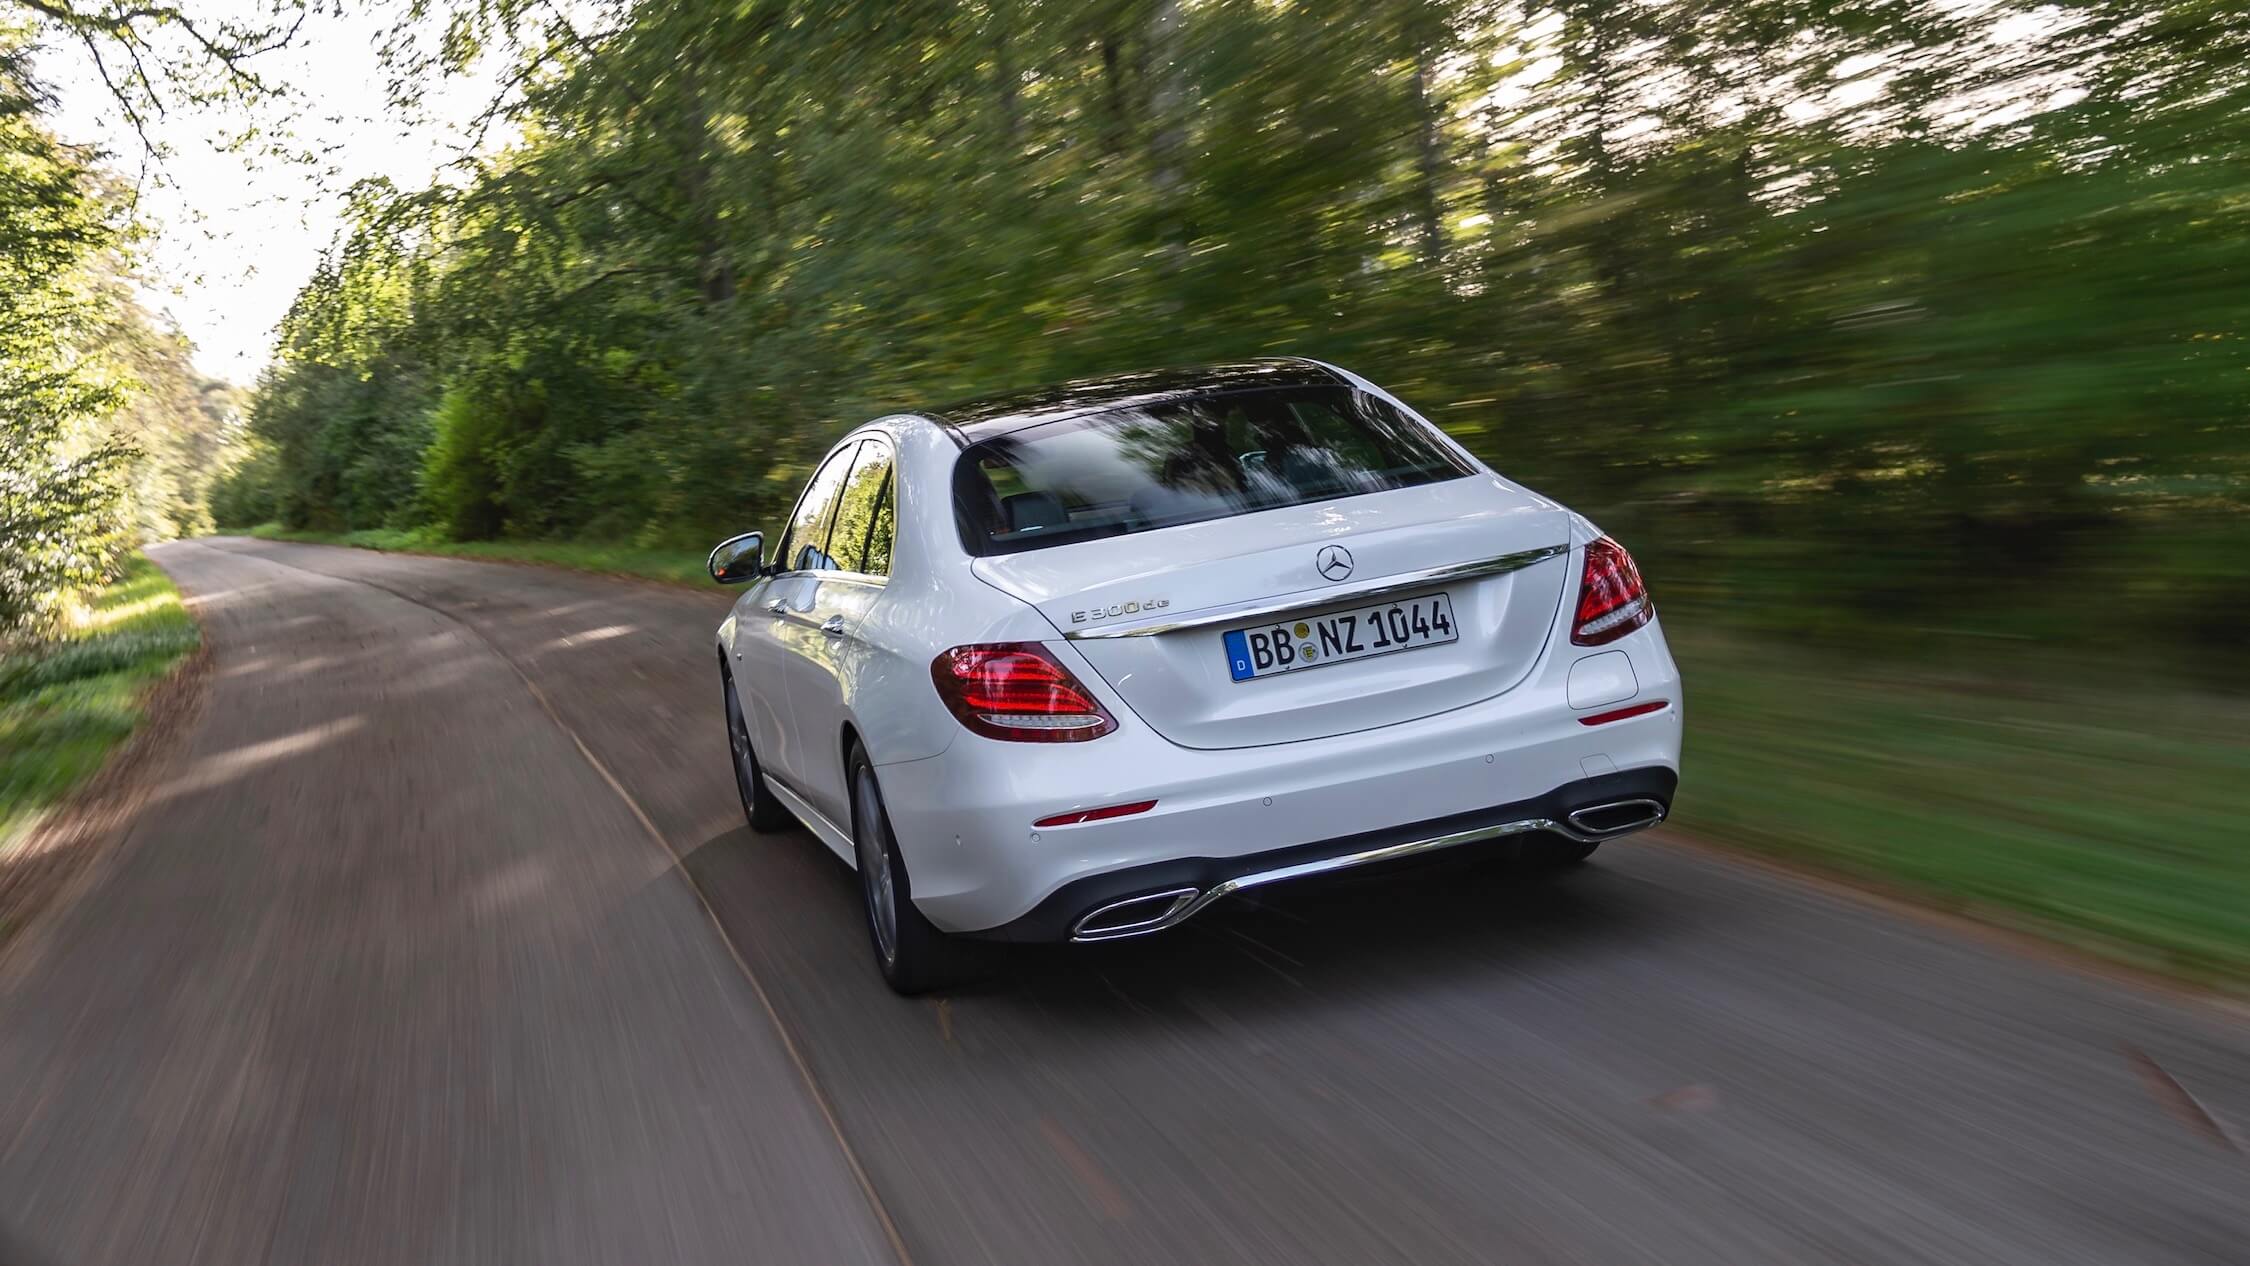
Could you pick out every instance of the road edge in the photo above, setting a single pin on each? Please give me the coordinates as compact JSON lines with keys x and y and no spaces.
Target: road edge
{"x":1992,"y":928}
{"x":818,"y":1093}
{"x":544,"y":564}
{"x":67,"y":852}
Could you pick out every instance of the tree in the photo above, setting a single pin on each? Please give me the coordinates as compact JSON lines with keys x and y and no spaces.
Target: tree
{"x":152,"y":56}
{"x":60,"y":483}
{"x":107,"y":434}
{"x":1822,"y":300}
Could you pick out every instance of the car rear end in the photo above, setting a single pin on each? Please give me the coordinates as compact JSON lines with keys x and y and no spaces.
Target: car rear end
{"x":1293,"y":629}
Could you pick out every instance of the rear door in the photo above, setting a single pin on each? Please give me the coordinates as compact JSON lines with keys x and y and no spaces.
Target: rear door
{"x":857,"y":565}
{"x":1369,"y":574}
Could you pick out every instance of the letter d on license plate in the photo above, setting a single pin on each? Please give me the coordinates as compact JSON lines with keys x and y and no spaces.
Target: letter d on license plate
{"x":1266,"y":649}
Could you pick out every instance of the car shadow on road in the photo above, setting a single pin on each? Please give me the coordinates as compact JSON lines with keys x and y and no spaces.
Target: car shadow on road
{"x":1440,"y":924}
{"x":1436,"y":923}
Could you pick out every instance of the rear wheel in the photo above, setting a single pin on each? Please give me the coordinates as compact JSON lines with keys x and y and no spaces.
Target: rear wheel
{"x":913,"y":955}
{"x":764,"y":811}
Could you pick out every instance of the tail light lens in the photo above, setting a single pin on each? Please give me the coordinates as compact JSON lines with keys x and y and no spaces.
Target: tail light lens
{"x":1017,"y":691}
{"x":1612,"y":601}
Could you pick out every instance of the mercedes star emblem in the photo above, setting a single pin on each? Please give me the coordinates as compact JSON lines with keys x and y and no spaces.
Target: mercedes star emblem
{"x":1334,"y":562}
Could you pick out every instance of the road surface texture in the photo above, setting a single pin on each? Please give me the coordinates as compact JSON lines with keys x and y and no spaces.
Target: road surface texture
{"x":392,"y":967}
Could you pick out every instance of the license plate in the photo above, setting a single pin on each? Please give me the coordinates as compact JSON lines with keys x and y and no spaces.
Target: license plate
{"x":1264,"y":650}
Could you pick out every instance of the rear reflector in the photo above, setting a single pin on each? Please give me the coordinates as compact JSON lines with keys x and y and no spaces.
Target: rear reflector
{"x":1098,"y":815}
{"x":1612,"y":601}
{"x":1017,"y":691}
{"x":1637,"y":710}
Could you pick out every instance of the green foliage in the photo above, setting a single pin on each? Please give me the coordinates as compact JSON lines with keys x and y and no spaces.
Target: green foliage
{"x":460,"y":473}
{"x":61,"y":483}
{"x":1953,"y":352}
{"x":107,"y":435}
{"x":2105,"y":816}
{"x":245,"y":491}
{"x":66,"y":703}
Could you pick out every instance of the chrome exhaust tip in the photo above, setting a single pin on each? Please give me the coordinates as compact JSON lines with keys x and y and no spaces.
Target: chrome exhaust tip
{"x":1616,"y":817}
{"x":1134,"y":916}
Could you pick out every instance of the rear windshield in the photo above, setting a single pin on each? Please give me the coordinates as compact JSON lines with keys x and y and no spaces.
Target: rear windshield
{"x":1185,"y":461}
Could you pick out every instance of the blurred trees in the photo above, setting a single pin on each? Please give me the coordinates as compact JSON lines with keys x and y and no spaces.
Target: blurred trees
{"x":59,"y":483}
{"x":1865,"y":314}
{"x":107,"y":435}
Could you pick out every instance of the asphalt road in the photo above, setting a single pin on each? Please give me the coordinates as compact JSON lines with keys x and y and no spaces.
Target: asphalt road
{"x":387,"y":969}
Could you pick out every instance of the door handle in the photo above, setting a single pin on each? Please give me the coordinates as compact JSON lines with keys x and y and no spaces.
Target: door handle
{"x":833,"y":626}
{"x":777,"y":606}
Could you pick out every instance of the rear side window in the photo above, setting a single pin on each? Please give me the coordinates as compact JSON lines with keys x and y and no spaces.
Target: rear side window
{"x":861,"y":538}
{"x":1188,"y":461}
{"x":805,"y":548}
{"x":884,"y":528}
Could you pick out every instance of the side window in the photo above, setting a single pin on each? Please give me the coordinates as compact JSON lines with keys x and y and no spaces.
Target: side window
{"x":861,"y":511}
{"x":879,"y":535}
{"x":805,"y":548}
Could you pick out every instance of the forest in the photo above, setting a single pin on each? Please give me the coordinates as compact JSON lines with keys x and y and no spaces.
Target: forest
{"x":108,"y":434}
{"x":1861,"y":321}
{"x":1849,"y":317}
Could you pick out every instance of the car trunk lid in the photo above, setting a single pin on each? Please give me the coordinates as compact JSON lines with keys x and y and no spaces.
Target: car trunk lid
{"x":1150,"y":611}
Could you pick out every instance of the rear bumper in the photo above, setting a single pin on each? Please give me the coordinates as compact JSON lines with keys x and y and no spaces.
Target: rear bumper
{"x":1137,"y":900}
{"x":966,"y":818}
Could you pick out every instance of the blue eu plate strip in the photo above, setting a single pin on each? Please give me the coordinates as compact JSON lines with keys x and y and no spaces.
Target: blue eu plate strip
{"x":1238,"y":656}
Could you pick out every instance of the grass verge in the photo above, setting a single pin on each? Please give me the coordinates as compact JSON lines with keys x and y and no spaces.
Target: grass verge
{"x":66,"y":704}
{"x":2104,"y":816}
{"x":617,"y":560}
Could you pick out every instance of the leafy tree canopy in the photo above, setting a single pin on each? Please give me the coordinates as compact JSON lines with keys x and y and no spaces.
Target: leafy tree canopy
{"x":1858,"y":315}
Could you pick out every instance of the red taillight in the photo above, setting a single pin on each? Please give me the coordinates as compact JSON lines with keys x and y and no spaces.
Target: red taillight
{"x":1102,"y":814}
{"x":1612,"y":601}
{"x":1017,"y":691}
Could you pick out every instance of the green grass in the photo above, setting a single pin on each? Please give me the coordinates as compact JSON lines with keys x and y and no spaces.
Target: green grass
{"x":65,"y":704}
{"x":619,"y":560}
{"x":2095,"y":811}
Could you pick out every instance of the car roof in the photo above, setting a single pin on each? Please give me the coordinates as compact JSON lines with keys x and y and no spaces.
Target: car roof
{"x":974,"y":421}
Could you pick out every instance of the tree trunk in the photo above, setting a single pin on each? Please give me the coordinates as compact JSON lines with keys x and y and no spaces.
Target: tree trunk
{"x":1596,"y":34}
{"x":1004,"y":73}
{"x":714,"y":270}
{"x":1114,"y":120}
{"x":1168,"y":143}
{"x":1428,"y":159}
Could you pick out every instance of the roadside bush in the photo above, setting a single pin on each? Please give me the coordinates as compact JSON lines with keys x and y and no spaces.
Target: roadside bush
{"x":461,"y":479}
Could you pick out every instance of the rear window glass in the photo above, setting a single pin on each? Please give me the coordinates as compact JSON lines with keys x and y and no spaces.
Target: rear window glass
{"x":1187,"y":461}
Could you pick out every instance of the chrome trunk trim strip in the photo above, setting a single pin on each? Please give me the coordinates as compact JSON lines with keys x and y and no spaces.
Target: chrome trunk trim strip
{"x":1333,"y":595}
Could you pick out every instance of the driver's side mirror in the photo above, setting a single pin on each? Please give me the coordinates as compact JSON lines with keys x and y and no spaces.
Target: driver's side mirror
{"x":739,"y":558}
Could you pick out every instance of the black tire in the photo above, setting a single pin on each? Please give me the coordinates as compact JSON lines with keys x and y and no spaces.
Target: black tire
{"x":914,"y":956}
{"x":764,"y":811}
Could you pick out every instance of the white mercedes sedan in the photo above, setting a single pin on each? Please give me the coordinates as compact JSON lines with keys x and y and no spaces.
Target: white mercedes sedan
{"x":1074,"y":664}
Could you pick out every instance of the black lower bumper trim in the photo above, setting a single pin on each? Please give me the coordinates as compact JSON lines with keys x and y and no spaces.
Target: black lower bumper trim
{"x":1054,"y":918}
